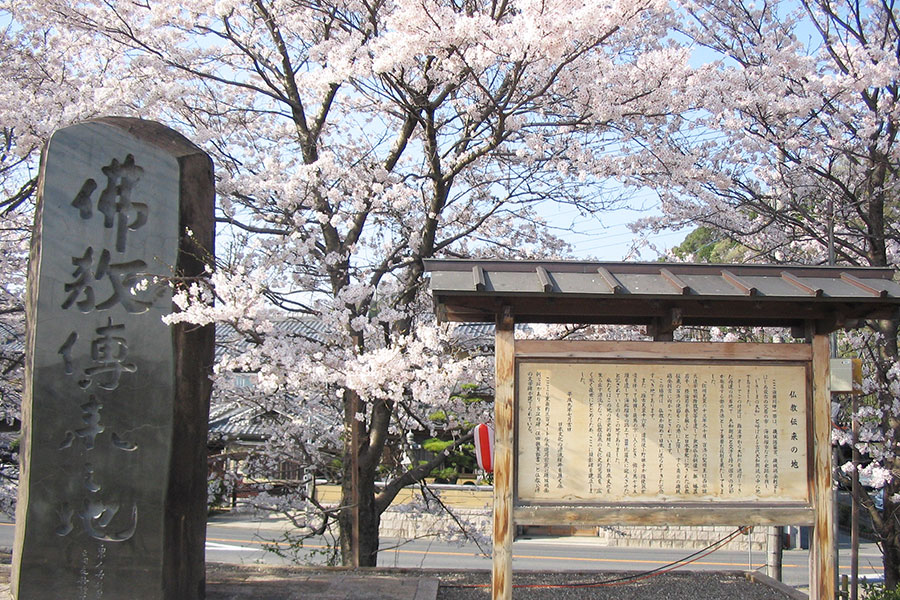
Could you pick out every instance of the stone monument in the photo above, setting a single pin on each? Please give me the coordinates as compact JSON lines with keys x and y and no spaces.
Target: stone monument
{"x":112,"y":495}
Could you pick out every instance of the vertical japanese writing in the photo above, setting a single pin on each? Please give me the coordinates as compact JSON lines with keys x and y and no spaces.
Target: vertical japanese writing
{"x":610,"y":459}
{"x":593,"y":431}
{"x":733,"y":434}
{"x":113,"y":390}
{"x":668,"y":439}
{"x":548,"y":440}
{"x":758,"y":470}
{"x":623,"y":405}
{"x":104,"y":292}
{"x":775,"y":433}
{"x":796,"y":427}
{"x":560,"y":453}
{"x":536,"y":418}
{"x":678,"y":452}
{"x":643,"y":430}
{"x":614,"y":432}
{"x":657,"y":410}
{"x":529,"y":402}
{"x":766,"y":430}
{"x":694,"y":385}
{"x":723,"y":481}
{"x":704,"y":436}
{"x":742,"y":402}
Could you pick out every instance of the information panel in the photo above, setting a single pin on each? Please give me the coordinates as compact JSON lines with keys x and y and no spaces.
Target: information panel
{"x":594,"y":432}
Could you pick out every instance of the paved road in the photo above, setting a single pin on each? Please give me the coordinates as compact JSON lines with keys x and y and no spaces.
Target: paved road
{"x":246,"y":542}
{"x":251,"y":542}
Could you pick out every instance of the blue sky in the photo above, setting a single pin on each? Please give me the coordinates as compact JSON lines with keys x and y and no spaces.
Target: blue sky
{"x":609,"y":237}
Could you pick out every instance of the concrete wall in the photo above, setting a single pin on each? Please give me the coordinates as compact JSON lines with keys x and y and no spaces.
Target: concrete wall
{"x":407,"y":518}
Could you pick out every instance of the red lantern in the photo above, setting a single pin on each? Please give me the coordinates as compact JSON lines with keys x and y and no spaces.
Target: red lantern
{"x":484,"y":447}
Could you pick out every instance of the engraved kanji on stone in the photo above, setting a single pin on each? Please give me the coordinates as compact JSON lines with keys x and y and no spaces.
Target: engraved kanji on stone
{"x":89,"y":483}
{"x":108,"y":353}
{"x":122,"y":277}
{"x":96,"y":515}
{"x":66,"y":351}
{"x":115,"y":200}
{"x":83,"y":201}
{"x":122,"y":444}
{"x":82,"y":284}
{"x":90,"y":416}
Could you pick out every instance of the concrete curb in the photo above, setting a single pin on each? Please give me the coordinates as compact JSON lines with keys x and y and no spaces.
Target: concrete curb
{"x":274,"y":582}
{"x":277,"y":582}
{"x":427,"y":589}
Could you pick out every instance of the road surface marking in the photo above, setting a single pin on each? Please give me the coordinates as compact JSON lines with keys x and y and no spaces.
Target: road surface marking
{"x":804,"y":565}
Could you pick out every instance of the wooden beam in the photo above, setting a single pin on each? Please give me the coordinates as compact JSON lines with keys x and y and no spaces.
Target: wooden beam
{"x":478,"y":278}
{"x":626,"y":308}
{"x":799,"y":284}
{"x":663,"y":328}
{"x":859,"y":283}
{"x":624,"y":350}
{"x":656,"y":330}
{"x":821,"y":554}
{"x":683,"y":288}
{"x":610,"y":280}
{"x":804,"y":331}
{"x":739,"y":283}
{"x":544,"y":278}
{"x":440,"y":311}
{"x":704,"y":514}
{"x":504,"y":394}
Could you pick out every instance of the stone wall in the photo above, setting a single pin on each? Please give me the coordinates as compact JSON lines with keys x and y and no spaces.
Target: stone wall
{"x":407,"y":522}
{"x":404,"y":523}
{"x":675,"y":536}
{"x":410,"y":518}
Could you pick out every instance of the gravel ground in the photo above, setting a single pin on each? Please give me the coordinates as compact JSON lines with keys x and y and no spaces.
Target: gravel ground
{"x":669,"y":586}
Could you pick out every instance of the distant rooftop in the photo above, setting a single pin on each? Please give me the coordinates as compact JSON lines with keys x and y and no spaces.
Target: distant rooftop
{"x":662,"y":295}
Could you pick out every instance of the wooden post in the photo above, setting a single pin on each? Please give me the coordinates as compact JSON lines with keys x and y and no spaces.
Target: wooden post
{"x":354,"y":479}
{"x":504,"y":385}
{"x":854,"y":506}
{"x":355,"y":442}
{"x":821,"y":554}
{"x":774,"y":552}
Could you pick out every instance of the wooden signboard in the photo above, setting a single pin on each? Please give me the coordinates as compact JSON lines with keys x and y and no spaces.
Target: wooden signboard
{"x":595,"y":431}
{"x":651,"y":433}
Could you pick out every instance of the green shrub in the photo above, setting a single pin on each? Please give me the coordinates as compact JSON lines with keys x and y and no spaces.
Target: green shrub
{"x":876,"y":591}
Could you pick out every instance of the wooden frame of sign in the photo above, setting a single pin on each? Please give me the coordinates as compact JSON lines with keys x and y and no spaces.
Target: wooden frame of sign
{"x":582,"y":436}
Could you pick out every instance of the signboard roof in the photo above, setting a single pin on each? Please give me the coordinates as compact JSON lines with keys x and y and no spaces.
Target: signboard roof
{"x":664,"y":295}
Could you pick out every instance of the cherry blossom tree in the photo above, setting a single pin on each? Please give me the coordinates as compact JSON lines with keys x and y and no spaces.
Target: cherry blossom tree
{"x":353,"y":139}
{"x":14,"y":236}
{"x":791,"y":148}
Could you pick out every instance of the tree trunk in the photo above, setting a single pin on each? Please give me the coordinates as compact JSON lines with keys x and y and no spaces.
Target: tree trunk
{"x":369,"y":520}
{"x":889,"y":531}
